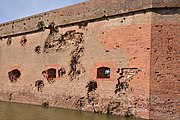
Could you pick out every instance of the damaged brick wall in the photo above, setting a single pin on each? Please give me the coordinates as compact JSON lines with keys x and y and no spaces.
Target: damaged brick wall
{"x":76,"y":50}
{"x":70,"y":55}
{"x":62,"y":42}
{"x":125,"y":75}
{"x":124,"y":104}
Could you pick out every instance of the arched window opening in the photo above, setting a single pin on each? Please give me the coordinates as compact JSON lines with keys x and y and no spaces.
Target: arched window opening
{"x":103,"y":72}
{"x":14,"y":75}
{"x":51,"y":73}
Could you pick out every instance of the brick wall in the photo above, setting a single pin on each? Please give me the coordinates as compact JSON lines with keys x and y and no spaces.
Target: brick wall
{"x":165,"y":58}
{"x":57,"y":64}
{"x":80,"y":51}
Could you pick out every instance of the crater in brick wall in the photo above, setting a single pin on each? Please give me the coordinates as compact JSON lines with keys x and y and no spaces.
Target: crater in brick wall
{"x":23,"y":41}
{"x":125,"y":75}
{"x":37,"y":49}
{"x":91,"y":94}
{"x":61,"y":42}
{"x":92,"y":85}
{"x":39,"y":84}
{"x":14,"y":75}
{"x":61,"y":72}
{"x":91,"y":101}
{"x":124,"y":105}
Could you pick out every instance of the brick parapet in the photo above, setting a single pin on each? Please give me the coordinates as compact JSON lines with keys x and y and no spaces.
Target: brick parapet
{"x":85,"y":11}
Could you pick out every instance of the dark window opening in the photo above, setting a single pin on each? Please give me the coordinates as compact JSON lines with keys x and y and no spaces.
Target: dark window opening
{"x":51,"y":73}
{"x":14,"y":75}
{"x":103,"y":72}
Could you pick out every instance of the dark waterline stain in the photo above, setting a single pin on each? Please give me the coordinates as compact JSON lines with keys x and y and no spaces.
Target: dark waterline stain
{"x":15,"y":111}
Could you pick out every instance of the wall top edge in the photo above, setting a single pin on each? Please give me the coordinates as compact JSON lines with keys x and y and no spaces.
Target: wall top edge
{"x":92,"y":9}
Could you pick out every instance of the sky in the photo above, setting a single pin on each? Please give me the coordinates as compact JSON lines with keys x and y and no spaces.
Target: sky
{"x":14,"y":9}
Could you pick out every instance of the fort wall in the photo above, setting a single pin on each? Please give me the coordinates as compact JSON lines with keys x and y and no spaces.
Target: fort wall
{"x":121,"y":60}
{"x":165,"y":57}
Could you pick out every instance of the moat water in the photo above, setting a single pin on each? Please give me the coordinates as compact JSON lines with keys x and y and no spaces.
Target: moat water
{"x":14,"y":111}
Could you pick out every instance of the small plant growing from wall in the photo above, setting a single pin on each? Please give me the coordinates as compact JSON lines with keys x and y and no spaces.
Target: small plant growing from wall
{"x":14,"y":75}
{"x":41,"y":26}
{"x":23,"y":41}
{"x":53,"y":28}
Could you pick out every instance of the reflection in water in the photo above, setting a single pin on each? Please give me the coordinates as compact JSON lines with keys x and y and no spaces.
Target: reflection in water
{"x":14,"y":111}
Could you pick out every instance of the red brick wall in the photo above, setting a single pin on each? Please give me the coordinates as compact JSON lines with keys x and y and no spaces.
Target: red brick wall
{"x":116,"y":43}
{"x":165,"y":66}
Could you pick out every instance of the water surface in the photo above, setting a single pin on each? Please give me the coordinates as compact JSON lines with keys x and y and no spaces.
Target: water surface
{"x":15,"y":111}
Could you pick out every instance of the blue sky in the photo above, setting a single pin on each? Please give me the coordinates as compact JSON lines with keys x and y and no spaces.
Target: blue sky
{"x":14,"y":9}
